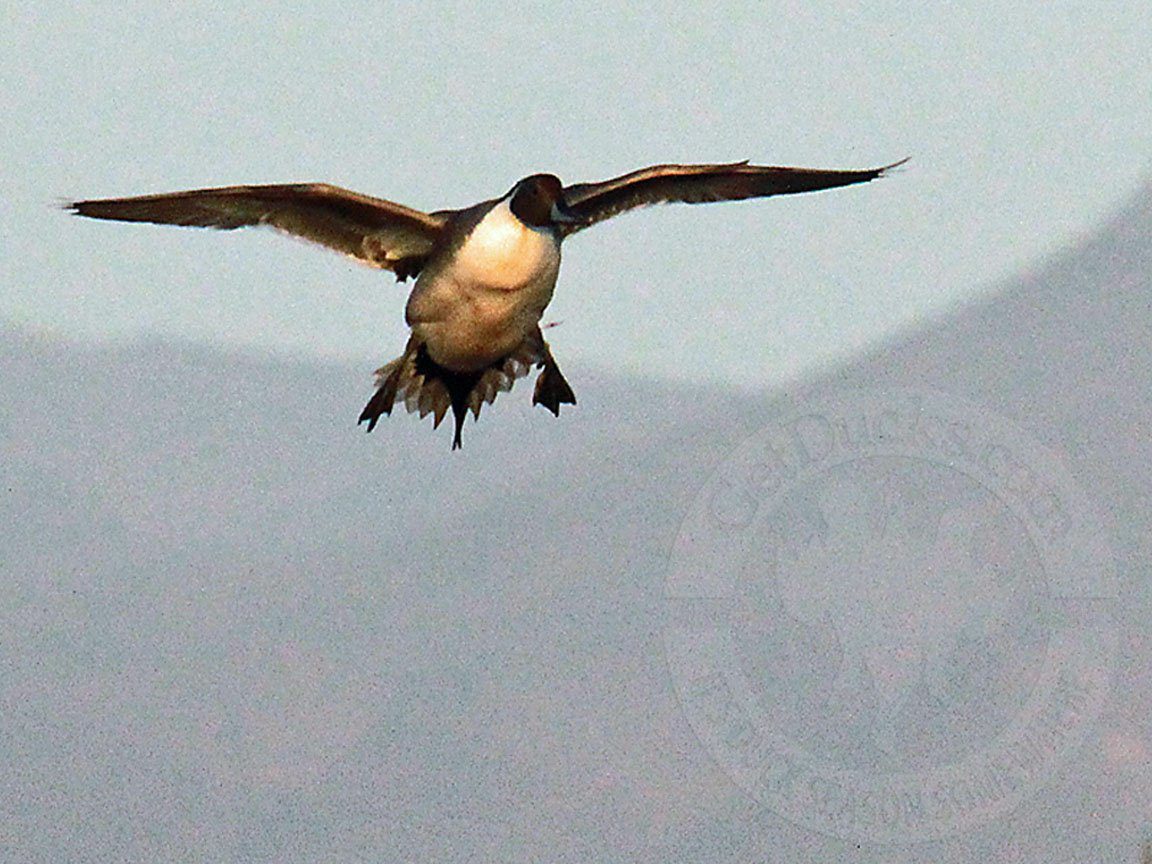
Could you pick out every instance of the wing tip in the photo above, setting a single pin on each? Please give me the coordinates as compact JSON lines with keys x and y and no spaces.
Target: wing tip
{"x":96,"y":208}
{"x":889,"y":169}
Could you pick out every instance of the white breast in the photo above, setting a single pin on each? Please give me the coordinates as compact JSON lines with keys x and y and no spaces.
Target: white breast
{"x":504,"y":253}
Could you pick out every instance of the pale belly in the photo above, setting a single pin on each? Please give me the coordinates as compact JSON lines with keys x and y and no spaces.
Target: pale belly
{"x":479,"y":309}
{"x":473,"y":329}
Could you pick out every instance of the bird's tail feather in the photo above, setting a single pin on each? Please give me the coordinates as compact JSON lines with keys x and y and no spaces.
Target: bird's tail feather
{"x":426,"y":387}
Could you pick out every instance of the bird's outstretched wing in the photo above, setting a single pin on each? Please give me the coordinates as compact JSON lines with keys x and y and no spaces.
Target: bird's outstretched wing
{"x":373,"y":231}
{"x":698,"y":184}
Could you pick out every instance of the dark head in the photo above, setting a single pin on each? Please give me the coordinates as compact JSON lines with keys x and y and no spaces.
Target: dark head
{"x":539,"y":201}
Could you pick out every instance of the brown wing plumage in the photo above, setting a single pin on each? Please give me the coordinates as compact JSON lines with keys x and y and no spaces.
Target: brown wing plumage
{"x":374,"y":231}
{"x":698,"y":184}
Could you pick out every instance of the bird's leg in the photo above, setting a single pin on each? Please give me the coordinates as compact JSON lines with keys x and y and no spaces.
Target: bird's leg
{"x":551,"y":388}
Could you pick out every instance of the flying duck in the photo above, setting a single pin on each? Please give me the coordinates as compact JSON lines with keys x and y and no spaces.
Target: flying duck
{"x":484,"y":274}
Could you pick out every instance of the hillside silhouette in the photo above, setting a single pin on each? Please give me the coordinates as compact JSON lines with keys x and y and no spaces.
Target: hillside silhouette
{"x":239,"y":628}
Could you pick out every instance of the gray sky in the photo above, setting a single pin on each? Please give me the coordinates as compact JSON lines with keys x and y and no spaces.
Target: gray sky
{"x":1025,"y":122}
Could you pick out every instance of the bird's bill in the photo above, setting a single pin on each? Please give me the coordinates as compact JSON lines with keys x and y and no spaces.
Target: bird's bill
{"x":562,"y":214}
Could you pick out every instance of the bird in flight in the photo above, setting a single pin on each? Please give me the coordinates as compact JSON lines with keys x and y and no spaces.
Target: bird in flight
{"x":484,"y":274}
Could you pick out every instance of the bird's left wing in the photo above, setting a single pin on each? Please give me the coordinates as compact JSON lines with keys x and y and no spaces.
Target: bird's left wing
{"x":698,"y":184}
{"x":373,"y":231}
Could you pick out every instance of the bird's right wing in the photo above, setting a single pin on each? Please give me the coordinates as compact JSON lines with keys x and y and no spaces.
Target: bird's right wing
{"x":373,"y":231}
{"x":698,"y":184}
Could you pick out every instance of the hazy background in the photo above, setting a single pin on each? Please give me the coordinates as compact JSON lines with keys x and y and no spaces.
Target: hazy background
{"x":238,"y":630}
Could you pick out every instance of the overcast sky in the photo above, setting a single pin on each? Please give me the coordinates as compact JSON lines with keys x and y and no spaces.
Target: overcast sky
{"x":1026,"y":124}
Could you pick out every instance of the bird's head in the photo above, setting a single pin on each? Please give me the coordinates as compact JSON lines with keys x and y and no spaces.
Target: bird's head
{"x":539,"y":201}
